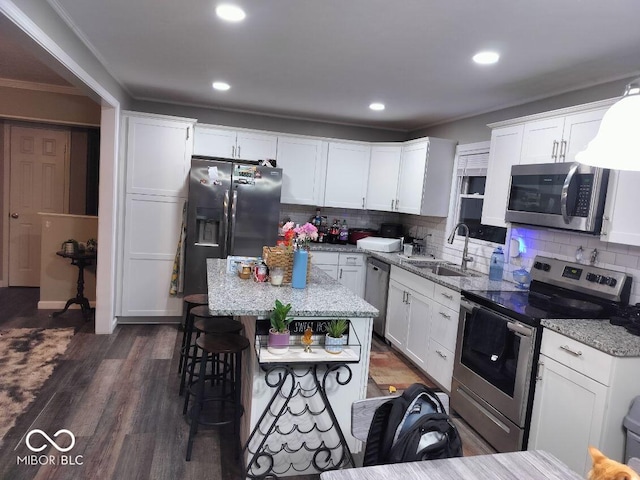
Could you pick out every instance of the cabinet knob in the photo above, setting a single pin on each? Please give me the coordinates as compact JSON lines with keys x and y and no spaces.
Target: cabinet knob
{"x":442,"y":355}
{"x":448,"y":317}
{"x":447,"y":296}
{"x":14,"y":215}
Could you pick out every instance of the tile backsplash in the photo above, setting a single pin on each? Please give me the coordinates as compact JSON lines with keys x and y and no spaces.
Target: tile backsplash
{"x":537,"y":241}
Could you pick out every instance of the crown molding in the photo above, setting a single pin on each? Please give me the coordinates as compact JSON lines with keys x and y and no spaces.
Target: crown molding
{"x":41,"y":87}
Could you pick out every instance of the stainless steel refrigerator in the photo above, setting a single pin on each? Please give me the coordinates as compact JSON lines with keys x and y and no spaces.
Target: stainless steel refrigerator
{"x":233,"y":209}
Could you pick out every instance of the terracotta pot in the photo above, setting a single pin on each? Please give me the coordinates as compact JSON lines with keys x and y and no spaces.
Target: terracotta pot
{"x":278,"y":343}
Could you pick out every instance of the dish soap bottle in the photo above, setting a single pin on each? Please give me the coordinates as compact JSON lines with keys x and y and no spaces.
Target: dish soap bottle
{"x":496,"y":265}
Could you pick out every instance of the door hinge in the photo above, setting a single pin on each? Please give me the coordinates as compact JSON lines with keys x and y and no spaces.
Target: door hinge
{"x":188,"y":128}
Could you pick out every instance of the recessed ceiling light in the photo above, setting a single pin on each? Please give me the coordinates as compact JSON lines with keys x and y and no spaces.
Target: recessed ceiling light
{"x":222,"y":86}
{"x":230,"y":13}
{"x":377,"y":106}
{"x":486,"y":58}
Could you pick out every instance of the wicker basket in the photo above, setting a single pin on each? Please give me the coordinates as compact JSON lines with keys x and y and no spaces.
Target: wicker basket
{"x":283,"y":257}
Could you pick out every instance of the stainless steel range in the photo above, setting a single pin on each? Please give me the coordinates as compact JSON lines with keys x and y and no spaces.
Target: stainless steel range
{"x":499,"y":342}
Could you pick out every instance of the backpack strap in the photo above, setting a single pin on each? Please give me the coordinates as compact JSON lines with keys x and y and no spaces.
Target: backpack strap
{"x":377,"y":434}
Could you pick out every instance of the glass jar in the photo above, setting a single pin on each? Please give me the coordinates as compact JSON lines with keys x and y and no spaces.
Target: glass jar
{"x":276,"y":276}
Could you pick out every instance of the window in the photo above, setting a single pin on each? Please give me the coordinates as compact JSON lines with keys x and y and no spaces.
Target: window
{"x":471,"y":179}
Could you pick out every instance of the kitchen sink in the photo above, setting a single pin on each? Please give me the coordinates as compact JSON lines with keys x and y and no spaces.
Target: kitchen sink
{"x":444,"y":271}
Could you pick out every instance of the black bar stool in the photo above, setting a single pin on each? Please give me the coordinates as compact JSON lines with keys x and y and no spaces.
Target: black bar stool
{"x":220,"y":367}
{"x":209,"y":324}
{"x":191,"y":301}
{"x":226,"y":406}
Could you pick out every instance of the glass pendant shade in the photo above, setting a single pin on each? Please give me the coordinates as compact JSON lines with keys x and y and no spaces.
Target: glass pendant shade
{"x":617,"y":144}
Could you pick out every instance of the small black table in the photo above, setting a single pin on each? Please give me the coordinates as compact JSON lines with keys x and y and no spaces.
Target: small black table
{"x":80,"y":260}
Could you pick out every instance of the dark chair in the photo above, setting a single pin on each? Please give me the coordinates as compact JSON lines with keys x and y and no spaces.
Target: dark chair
{"x":190,"y":301}
{"x":187,"y":354}
{"x":219,"y":404}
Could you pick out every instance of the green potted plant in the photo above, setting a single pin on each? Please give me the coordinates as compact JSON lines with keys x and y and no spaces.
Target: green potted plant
{"x":278,"y":342}
{"x":334,"y":340}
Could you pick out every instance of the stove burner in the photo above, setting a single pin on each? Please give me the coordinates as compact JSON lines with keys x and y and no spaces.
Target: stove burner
{"x":628,"y":316}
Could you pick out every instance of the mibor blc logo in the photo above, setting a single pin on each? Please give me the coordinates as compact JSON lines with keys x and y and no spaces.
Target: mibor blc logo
{"x":38,"y":440}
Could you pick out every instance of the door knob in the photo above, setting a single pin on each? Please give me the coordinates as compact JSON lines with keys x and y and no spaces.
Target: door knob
{"x":14,"y":215}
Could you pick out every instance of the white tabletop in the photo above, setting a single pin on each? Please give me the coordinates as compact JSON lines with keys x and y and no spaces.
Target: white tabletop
{"x":529,"y":465}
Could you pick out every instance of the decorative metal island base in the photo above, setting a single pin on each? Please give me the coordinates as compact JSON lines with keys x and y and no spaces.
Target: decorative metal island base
{"x":299,"y":419}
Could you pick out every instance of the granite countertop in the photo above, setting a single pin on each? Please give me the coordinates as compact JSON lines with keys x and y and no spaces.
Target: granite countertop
{"x":479,"y":281}
{"x":323,"y":296}
{"x":335,"y":247}
{"x":599,"y":334}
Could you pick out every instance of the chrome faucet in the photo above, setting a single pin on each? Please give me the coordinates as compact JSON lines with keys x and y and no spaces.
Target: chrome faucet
{"x":465,"y":252}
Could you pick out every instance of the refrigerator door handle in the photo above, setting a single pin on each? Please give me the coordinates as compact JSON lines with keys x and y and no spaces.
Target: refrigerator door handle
{"x":225,"y":209}
{"x":233,"y":221}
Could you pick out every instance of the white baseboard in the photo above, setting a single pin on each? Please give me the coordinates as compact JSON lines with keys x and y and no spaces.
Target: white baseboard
{"x":149,"y":320}
{"x":59,"y":305}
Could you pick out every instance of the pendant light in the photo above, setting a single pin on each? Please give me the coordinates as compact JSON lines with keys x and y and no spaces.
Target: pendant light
{"x":617,"y":144}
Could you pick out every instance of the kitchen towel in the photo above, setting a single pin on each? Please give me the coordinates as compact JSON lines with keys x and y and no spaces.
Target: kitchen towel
{"x":177,"y":275}
{"x":487,"y":335}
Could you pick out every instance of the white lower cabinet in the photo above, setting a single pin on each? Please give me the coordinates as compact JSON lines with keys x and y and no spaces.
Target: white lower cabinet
{"x":422,"y":322}
{"x":581,"y":398}
{"x":347,"y":268}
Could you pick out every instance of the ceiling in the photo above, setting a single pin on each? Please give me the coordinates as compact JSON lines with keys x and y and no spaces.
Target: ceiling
{"x":328,"y":60}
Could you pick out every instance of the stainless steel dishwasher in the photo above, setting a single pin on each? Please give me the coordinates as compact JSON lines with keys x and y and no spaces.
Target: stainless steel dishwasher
{"x":376,"y":288}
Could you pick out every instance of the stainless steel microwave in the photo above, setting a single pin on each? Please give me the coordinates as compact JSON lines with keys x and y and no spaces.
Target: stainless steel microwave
{"x":568,"y":196}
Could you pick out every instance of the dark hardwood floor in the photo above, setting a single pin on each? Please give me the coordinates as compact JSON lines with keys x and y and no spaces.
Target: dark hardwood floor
{"x":118,"y":395}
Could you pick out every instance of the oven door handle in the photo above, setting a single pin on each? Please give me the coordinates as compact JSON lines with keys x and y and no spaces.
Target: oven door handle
{"x":517,"y":328}
{"x":565,"y":192}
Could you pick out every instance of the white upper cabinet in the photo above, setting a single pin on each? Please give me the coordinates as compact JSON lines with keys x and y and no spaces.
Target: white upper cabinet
{"x":424,"y":182}
{"x":558,"y":139}
{"x":541,"y":141}
{"x":303,"y":163}
{"x":620,"y":223}
{"x":347,"y":175}
{"x":383,"y":177}
{"x":579,"y":130}
{"x":411,"y":180}
{"x":157,"y":154}
{"x":236,"y":144}
{"x":506,"y":144}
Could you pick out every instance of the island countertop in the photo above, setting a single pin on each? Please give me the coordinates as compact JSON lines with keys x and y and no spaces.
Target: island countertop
{"x":323,"y":296}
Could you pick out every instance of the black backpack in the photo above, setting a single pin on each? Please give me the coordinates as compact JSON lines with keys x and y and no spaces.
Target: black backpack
{"x":411,"y":427}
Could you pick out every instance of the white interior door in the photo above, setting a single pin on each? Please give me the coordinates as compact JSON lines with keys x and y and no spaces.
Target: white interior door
{"x":39,"y":183}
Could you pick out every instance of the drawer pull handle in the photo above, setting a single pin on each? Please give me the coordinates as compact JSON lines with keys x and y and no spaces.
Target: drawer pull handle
{"x":447,"y":296}
{"x":566,"y":348}
{"x":448,"y":317}
{"x":441,"y":354}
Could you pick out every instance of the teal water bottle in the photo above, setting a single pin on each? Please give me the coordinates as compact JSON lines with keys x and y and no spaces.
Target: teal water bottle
{"x":496,"y":266}
{"x":299,"y":273}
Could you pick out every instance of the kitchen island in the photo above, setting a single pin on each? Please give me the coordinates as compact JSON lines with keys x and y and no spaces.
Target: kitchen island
{"x":297,"y":432}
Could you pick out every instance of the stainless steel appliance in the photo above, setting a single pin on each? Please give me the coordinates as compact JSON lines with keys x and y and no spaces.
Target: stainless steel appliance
{"x":375,"y":291}
{"x":499,"y":342}
{"x":568,"y":196}
{"x":233,"y":209}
